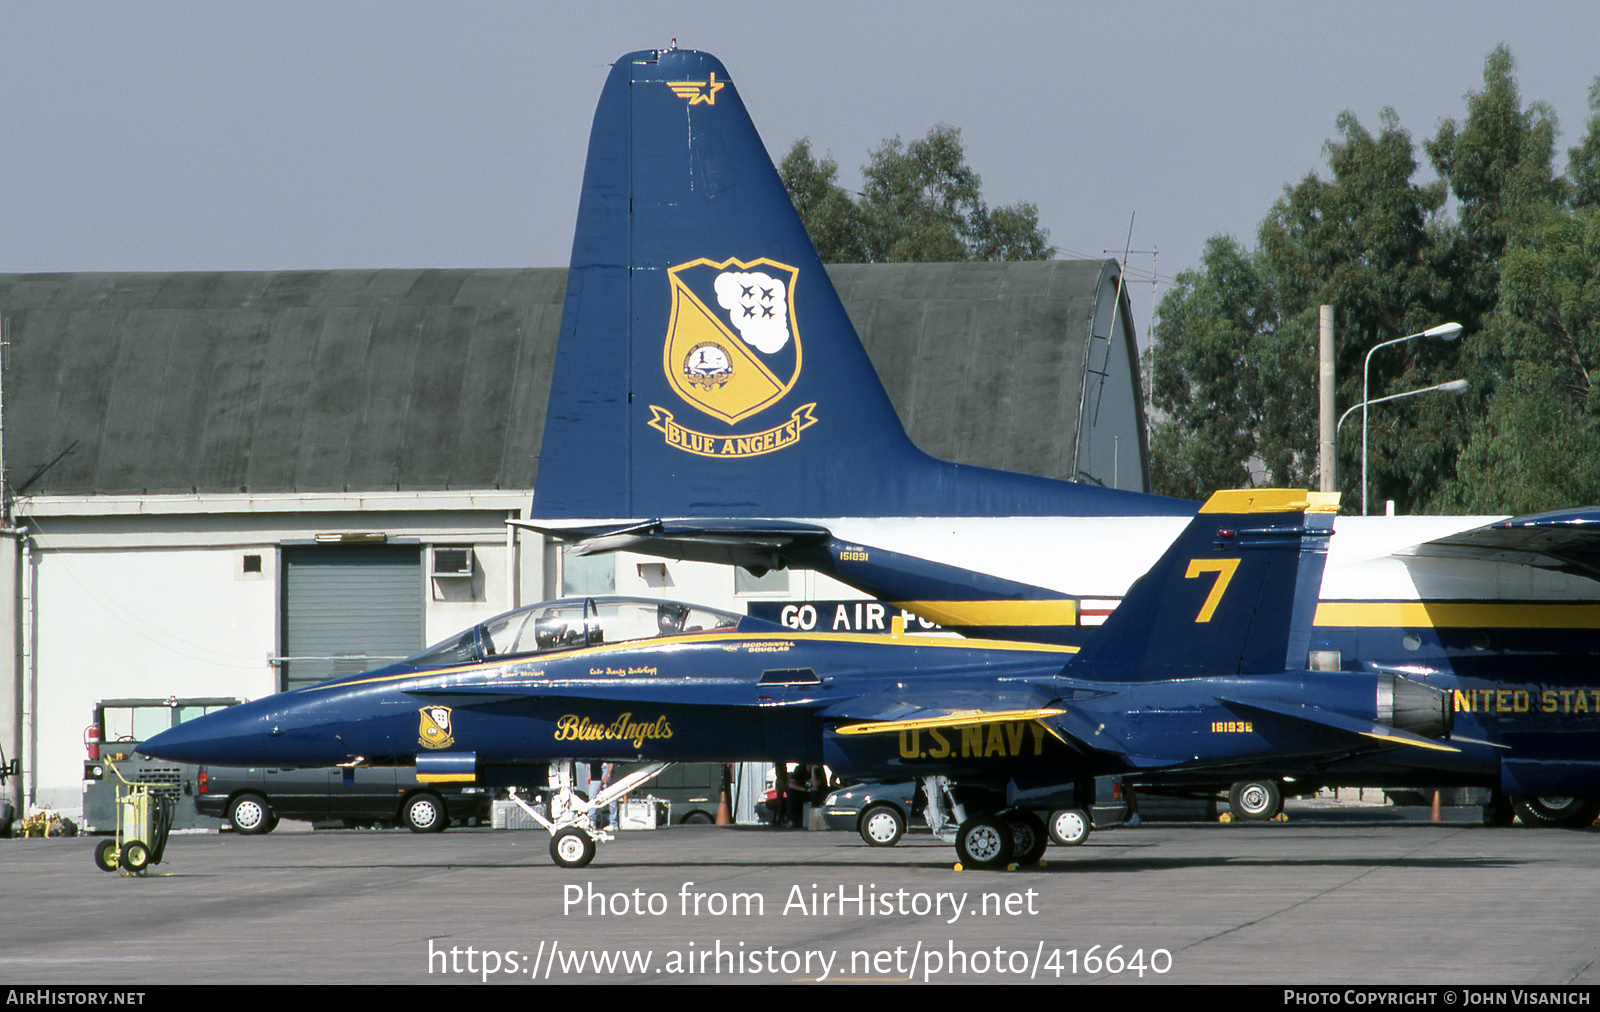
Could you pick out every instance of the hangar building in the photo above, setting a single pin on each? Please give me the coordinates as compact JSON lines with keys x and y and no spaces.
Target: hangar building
{"x":225,"y":484}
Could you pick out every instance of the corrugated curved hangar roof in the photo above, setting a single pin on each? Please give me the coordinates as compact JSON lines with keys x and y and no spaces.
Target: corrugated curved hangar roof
{"x":315,"y":381}
{"x":985,"y":361}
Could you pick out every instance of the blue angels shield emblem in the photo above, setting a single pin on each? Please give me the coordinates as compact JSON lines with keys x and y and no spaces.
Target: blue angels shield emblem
{"x":434,"y":730}
{"x":732,"y":350}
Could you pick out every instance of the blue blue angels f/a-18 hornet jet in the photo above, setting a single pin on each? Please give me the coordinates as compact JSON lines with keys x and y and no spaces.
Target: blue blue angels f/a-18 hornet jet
{"x":1198,"y":670}
{"x":712,"y":402}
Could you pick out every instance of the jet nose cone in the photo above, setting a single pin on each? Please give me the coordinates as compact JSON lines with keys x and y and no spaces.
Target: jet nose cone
{"x":236,"y":736}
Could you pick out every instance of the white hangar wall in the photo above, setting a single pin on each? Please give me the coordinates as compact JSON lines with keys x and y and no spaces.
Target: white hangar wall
{"x":150,"y":597}
{"x":104,"y":628}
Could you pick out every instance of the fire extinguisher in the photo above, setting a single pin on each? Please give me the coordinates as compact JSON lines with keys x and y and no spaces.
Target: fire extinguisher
{"x":91,"y":740}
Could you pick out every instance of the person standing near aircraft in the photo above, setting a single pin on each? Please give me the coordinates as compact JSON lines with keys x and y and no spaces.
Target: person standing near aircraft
{"x":613,"y":811}
{"x":797,"y":794}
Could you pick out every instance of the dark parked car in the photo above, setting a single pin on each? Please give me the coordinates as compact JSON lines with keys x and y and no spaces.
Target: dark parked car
{"x":253,"y":800}
{"x":881,"y":813}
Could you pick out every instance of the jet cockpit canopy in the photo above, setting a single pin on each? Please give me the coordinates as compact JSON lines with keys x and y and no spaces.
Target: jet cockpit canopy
{"x":571,"y":623}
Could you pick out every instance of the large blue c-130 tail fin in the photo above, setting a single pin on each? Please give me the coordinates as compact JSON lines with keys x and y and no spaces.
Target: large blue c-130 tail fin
{"x":706,"y":367}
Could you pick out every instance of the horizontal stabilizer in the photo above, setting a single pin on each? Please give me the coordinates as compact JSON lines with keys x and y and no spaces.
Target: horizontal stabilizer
{"x":754,"y":544}
{"x":1339,"y":722}
{"x":1565,"y":540}
{"x":960,"y":600}
{"x":1480,"y":741}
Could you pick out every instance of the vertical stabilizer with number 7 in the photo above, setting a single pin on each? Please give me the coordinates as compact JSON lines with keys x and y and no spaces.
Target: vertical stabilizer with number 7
{"x":1234,"y":595}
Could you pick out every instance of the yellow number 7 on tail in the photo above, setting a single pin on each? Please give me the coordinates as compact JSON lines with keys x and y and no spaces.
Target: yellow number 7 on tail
{"x":1224,"y":569}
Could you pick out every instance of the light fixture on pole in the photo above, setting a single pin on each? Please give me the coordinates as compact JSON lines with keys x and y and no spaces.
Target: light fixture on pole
{"x":1446,"y":331}
{"x":1452,"y":387}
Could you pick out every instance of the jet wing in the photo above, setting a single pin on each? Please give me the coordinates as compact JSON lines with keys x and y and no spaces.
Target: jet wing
{"x":946,"y":717}
{"x":893,"y":713}
{"x":1565,"y":540}
{"x":753,"y":544}
{"x":890,"y":712}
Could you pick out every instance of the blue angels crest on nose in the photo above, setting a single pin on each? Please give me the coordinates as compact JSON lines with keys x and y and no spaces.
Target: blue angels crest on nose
{"x":731,"y":351}
{"x":434,"y":730}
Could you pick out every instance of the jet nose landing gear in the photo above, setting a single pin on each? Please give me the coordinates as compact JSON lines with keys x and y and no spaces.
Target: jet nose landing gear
{"x":572,"y":847}
{"x":574,"y":837}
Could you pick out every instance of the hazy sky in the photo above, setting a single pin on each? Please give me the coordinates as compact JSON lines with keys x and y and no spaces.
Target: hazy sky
{"x":167,"y":136}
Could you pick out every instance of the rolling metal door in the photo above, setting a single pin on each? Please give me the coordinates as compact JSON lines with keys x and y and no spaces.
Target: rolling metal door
{"x":349,"y":608}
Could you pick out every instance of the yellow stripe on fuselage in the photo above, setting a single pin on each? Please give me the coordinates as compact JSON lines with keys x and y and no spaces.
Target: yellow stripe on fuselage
{"x":1457,"y":615}
{"x":447,"y":778}
{"x":999,"y":614}
{"x":727,"y":638}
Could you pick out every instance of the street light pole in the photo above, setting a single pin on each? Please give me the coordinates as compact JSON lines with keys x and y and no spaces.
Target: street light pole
{"x":1452,"y":387}
{"x":1447,"y":331}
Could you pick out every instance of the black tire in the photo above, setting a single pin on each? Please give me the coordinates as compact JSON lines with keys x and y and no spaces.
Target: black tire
{"x":571,"y":848}
{"x":1069,"y":826}
{"x":1557,"y":812}
{"x":881,"y":825}
{"x":983,"y":841}
{"x":1499,"y":812}
{"x":1255,"y":800}
{"x":250,"y":815}
{"x":135,"y":857}
{"x":696,"y":818}
{"x":424,"y":812}
{"x":105,"y":855}
{"x":1028,"y":838}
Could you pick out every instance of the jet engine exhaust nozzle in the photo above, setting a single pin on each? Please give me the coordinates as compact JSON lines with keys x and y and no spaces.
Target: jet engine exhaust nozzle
{"x":1412,"y":706}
